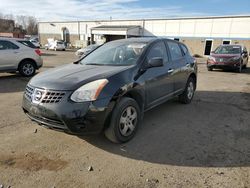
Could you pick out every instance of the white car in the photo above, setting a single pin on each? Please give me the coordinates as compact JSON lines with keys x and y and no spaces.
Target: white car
{"x":19,"y":55}
{"x":84,"y":51}
{"x":55,"y":45}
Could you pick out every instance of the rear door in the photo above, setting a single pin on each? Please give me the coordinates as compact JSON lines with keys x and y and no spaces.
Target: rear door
{"x":179,"y":65}
{"x":8,"y":55}
{"x":159,"y":82}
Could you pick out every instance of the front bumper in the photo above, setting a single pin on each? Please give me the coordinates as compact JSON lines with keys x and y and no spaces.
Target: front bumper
{"x":70,"y":117}
{"x":230,"y":65}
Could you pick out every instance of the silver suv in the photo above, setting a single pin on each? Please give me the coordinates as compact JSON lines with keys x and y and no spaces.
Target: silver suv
{"x":19,"y":55}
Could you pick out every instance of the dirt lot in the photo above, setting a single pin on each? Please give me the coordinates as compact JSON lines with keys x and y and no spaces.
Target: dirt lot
{"x":204,"y":144}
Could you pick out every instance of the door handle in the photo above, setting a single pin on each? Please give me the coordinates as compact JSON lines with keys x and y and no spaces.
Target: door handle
{"x":170,"y":70}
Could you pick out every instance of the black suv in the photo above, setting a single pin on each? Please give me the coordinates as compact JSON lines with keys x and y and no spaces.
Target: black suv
{"x":110,"y":89}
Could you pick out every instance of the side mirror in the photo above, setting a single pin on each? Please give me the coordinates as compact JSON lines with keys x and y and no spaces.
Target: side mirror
{"x":155,"y":62}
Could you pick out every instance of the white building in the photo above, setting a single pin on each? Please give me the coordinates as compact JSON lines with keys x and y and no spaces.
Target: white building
{"x":201,"y":34}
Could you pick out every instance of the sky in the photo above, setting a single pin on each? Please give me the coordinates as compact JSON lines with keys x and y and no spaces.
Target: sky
{"x":62,"y":10}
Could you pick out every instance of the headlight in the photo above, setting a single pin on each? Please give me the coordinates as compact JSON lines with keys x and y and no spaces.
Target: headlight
{"x":89,"y":91}
{"x":211,"y":58}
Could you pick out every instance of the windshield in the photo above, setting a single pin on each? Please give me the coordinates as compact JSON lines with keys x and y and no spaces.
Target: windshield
{"x":227,"y":50}
{"x":115,"y":54}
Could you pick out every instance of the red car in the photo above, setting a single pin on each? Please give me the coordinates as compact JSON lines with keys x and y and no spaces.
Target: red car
{"x":228,"y":56}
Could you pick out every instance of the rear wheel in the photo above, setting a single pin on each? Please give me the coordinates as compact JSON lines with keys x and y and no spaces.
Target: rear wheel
{"x":124,"y":121}
{"x":188,"y":94}
{"x":27,"y":68}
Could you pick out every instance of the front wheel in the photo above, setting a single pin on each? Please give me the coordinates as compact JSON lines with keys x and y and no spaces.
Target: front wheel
{"x":188,"y":94}
{"x":124,"y":121}
{"x":27,"y":69}
{"x":239,"y":69}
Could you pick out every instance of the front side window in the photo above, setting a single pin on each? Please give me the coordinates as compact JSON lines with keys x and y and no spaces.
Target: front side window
{"x":158,"y":51}
{"x":174,"y":50}
{"x":184,"y":49}
{"x":116,"y":54}
{"x":6,"y":45}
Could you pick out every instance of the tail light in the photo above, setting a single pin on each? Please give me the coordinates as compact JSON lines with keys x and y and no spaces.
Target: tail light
{"x":38,"y":52}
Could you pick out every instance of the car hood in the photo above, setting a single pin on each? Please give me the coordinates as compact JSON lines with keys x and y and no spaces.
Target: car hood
{"x":72,"y":76}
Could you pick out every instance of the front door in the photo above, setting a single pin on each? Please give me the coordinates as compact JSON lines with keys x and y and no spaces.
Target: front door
{"x":158,"y":80}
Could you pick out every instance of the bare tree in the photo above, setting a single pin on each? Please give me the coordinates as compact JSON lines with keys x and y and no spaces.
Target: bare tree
{"x":27,"y":23}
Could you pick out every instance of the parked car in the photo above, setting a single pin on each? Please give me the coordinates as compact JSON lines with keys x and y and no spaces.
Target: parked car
{"x":35,"y":42}
{"x":19,"y":55}
{"x":112,"y":87}
{"x":84,"y":51}
{"x":228,"y":56}
{"x":55,"y":45}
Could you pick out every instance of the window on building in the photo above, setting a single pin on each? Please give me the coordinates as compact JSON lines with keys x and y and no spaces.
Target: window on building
{"x":208,"y":47}
{"x":174,"y":50}
{"x":176,"y":39}
{"x":226,"y":41}
{"x":6,"y":45}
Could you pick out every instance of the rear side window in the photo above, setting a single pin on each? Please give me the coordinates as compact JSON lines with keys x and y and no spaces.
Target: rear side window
{"x":174,"y":50}
{"x":158,"y":50}
{"x":184,"y":49}
{"x":7,"y":45}
{"x":27,"y":43}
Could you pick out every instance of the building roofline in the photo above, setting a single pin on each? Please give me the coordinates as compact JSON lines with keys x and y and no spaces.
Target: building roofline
{"x":152,"y":19}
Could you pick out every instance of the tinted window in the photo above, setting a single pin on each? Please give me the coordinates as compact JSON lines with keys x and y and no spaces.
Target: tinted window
{"x":158,"y":50}
{"x":6,"y":45}
{"x":174,"y":50}
{"x":27,"y":43}
{"x":184,"y":49}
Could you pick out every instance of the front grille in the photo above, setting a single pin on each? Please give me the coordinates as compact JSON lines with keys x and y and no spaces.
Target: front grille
{"x":28,"y":93}
{"x":43,"y":96}
{"x":53,"y":97}
{"x":221,"y":60}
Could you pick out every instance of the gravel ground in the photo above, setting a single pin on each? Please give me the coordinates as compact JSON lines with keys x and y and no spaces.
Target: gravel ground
{"x":204,"y":144}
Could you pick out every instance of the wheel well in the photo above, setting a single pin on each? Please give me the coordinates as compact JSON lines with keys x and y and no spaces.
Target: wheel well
{"x":27,"y":59}
{"x":137,"y":97}
{"x":195,"y":78}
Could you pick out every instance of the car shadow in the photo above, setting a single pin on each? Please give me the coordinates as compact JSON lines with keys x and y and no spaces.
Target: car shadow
{"x":212,"y":131}
{"x":10,"y":83}
{"x":244,"y":71}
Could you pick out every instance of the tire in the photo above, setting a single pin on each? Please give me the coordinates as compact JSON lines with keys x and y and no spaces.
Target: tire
{"x":209,"y":68}
{"x":27,"y":68}
{"x":188,"y":94}
{"x":244,"y":67}
{"x":239,"y":69}
{"x":119,"y":130}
